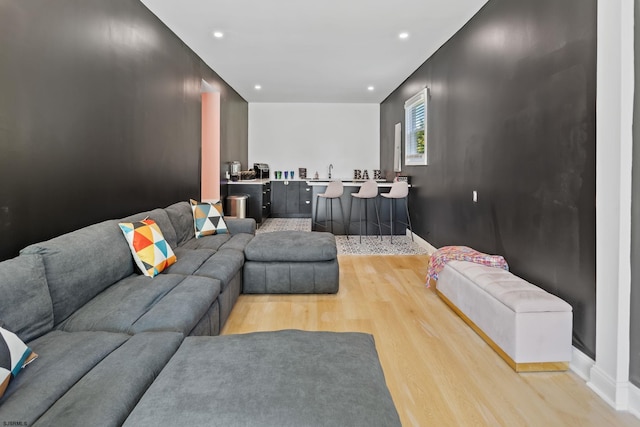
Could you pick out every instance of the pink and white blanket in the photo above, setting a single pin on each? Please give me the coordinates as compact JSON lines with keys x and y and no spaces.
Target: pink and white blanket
{"x":442,"y":256}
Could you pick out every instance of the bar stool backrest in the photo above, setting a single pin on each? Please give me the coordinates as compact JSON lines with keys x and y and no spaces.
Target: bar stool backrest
{"x":368,"y":190}
{"x":334,"y":189}
{"x":399,"y":190}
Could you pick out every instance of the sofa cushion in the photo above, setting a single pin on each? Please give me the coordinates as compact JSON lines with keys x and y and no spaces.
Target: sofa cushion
{"x":208,"y":218}
{"x":169,"y":314}
{"x":25,"y":303}
{"x":238,"y":242}
{"x":181,"y":218}
{"x":106,"y":395}
{"x":81,"y":264}
{"x":150,"y":251}
{"x":223,"y":265}
{"x":207,"y":242}
{"x":64,"y":359}
{"x":189,"y":260}
{"x":167,"y":302}
{"x":97,"y":383}
{"x":162,"y":219}
{"x":14,"y":355}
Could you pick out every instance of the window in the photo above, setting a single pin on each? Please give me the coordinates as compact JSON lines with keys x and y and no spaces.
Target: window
{"x":415,"y":142}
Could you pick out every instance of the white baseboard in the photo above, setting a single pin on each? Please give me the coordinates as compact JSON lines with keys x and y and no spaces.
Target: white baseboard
{"x":634,"y":400}
{"x":622,"y":396}
{"x":581,"y":364}
{"x":419,"y":240}
{"x":603,"y":385}
{"x":618,"y":394}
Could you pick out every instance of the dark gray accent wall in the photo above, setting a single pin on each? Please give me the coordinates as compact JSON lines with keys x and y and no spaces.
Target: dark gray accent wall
{"x":99,"y":116}
{"x":634,"y":359}
{"x":512,"y":116}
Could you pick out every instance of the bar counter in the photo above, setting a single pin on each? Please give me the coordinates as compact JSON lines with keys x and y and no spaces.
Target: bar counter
{"x":350,"y":187}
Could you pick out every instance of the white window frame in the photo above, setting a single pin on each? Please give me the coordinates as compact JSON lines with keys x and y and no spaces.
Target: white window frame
{"x":411,"y":155}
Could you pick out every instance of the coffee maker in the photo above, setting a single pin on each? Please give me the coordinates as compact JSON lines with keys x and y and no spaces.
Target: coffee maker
{"x":234,"y":170}
{"x":262,"y":170}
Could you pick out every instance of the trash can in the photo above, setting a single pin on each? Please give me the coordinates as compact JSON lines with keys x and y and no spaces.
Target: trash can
{"x":237,"y":205}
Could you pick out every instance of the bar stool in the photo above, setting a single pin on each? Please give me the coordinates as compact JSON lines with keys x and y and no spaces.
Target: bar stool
{"x":368,"y":191}
{"x":334,"y":190}
{"x":399,"y":190}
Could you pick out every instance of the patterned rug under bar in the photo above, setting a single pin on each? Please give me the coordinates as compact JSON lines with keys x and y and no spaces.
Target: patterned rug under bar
{"x":371,"y":245}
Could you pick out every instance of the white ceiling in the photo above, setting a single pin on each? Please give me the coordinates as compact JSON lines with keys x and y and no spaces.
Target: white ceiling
{"x":314,"y":51}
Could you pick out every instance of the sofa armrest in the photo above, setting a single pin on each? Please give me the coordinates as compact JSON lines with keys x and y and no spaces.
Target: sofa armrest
{"x":241,"y":225}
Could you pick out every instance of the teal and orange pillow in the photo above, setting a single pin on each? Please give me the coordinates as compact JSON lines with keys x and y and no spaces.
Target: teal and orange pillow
{"x":150,"y":250}
{"x":208,"y":218}
{"x":14,"y":356}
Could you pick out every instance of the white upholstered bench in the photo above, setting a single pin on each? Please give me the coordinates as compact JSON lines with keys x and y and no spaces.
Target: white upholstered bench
{"x":527,"y":326}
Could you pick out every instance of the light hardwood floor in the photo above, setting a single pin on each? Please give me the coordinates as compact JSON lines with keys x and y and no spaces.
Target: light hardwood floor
{"x":439,"y":372}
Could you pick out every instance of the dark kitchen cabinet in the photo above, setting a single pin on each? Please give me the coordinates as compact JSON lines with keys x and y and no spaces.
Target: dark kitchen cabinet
{"x":259,"y":202}
{"x":290,"y":199}
{"x":304,"y":205}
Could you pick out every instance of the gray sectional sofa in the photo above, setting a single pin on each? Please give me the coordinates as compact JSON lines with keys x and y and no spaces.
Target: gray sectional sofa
{"x":104,"y":332}
{"x":78,"y":301}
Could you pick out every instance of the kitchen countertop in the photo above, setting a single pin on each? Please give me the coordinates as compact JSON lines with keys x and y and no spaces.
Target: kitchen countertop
{"x":250,"y":181}
{"x":349,"y":183}
{"x":311,"y":182}
{"x":264,"y":181}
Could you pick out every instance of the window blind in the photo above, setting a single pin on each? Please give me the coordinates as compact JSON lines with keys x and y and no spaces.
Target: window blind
{"x":415,"y":129}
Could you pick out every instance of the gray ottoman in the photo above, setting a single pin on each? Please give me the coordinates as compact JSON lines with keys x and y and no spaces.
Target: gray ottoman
{"x":282,"y":379}
{"x":291,"y":262}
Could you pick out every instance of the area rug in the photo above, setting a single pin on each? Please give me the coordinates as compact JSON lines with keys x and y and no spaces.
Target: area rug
{"x":282,"y":224}
{"x":371,"y":245}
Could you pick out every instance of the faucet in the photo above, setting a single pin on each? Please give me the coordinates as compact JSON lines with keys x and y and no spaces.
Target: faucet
{"x":330,"y":167}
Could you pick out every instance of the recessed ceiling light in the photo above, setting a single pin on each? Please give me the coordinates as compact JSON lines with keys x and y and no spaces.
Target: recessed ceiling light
{"x":403,"y":35}
{"x":218,"y":34}
{"x":257,"y":87}
{"x":370,"y":88}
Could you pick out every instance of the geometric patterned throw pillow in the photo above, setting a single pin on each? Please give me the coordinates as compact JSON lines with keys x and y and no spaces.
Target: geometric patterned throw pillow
{"x":14,"y":355}
{"x":208,"y":218}
{"x":150,"y":250}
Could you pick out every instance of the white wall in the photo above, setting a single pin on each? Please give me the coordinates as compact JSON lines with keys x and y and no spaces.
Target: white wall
{"x":289,"y":136}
